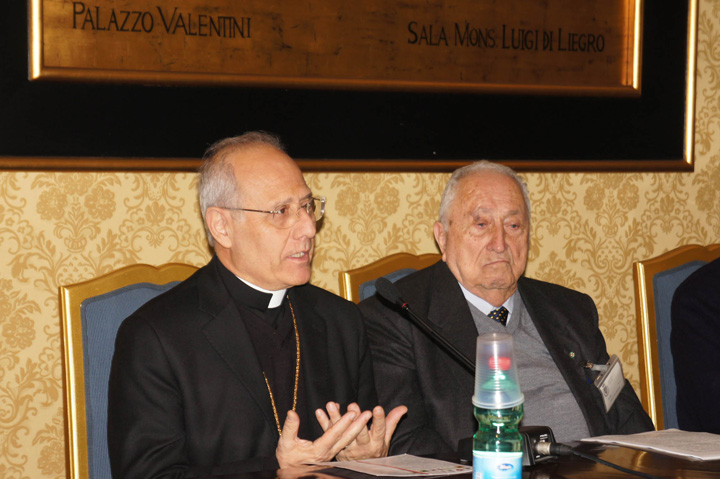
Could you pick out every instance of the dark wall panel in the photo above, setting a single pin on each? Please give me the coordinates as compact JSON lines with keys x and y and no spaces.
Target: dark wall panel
{"x":103,"y":120}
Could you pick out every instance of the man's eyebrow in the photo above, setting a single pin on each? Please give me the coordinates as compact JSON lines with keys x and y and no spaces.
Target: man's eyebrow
{"x":306,"y":197}
{"x":289,"y":200}
{"x":481,"y":209}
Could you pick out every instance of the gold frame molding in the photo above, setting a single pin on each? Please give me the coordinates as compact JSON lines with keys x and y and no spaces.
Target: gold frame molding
{"x":343,"y":165}
{"x":391,"y":47}
{"x":71,"y":299}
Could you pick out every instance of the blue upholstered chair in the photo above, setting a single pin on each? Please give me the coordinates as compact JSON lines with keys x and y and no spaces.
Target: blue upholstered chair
{"x":656,"y":280}
{"x":91,"y":314}
{"x":359,"y":283}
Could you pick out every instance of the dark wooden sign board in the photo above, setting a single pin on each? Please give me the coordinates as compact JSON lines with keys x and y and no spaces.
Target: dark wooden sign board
{"x":562,"y":46}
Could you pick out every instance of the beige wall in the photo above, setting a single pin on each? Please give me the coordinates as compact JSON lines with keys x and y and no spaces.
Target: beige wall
{"x":59,"y":228}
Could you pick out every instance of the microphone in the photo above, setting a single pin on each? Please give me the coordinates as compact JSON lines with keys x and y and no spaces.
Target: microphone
{"x":556,"y":449}
{"x":389,"y":291}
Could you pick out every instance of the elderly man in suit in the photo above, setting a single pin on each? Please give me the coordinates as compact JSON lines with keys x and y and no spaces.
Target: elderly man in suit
{"x":244,"y":366}
{"x":483,"y":234}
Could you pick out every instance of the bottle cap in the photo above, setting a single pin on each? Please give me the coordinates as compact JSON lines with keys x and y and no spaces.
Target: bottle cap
{"x":496,"y":379}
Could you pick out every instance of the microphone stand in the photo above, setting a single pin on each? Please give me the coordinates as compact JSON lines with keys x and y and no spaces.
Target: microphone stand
{"x":389,"y":291}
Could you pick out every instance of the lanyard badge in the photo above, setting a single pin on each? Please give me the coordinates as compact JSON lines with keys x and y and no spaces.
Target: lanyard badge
{"x":610,"y":381}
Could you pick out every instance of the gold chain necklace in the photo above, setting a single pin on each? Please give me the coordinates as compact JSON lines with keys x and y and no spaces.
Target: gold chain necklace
{"x":297,"y":373}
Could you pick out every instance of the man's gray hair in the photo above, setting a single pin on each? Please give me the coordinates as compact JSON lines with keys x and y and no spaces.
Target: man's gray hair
{"x":478,"y":168}
{"x":217,"y":185}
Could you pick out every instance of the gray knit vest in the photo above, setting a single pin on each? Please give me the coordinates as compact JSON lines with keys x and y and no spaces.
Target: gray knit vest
{"x":548,"y":400}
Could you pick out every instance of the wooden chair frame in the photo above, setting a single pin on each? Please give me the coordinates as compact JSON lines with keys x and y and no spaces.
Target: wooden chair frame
{"x":351,"y":280}
{"x":649,"y":362}
{"x":71,"y":299}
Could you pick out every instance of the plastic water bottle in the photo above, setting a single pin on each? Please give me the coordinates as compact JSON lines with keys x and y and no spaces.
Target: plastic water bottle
{"x":498,"y":403}
{"x":497,"y":444}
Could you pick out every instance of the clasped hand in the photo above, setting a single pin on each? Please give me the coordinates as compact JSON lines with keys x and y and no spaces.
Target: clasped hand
{"x":346,"y":436}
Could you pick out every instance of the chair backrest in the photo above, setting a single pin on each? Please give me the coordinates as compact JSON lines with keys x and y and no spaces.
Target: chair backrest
{"x":91,"y":314}
{"x":359,"y":283}
{"x":656,"y":280}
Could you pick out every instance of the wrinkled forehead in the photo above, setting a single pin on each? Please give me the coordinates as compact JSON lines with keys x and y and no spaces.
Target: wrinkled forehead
{"x":268,"y":174}
{"x":489,"y":192}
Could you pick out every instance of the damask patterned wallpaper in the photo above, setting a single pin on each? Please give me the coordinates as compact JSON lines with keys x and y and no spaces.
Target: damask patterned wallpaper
{"x":60,"y":228}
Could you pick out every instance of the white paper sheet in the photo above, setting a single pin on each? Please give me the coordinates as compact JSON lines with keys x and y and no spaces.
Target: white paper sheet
{"x":697,"y":446}
{"x":404,"y":465}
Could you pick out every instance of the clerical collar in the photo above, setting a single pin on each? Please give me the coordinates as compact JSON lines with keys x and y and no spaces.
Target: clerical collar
{"x":277,"y":296}
{"x":483,"y":305}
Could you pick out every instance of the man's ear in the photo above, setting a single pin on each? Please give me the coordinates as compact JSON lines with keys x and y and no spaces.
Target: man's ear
{"x":440,"y":237}
{"x":220,"y":225}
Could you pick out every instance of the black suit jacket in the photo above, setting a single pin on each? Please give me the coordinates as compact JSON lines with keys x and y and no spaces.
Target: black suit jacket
{"x":410,"y":369}
{"x":695,"y":345}
{"x":187,"y":396}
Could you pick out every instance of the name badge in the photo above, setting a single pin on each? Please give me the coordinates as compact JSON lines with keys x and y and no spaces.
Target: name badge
{"x":610,"y":382}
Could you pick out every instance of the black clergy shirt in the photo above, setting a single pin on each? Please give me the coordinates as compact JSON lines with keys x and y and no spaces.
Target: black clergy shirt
{"x":273,"y":336}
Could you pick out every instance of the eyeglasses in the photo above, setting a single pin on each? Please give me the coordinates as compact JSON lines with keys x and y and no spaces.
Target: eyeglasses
{"x":284,"y":216}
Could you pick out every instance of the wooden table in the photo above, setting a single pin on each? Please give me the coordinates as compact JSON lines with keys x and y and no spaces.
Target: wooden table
{"x":567,"y":467}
